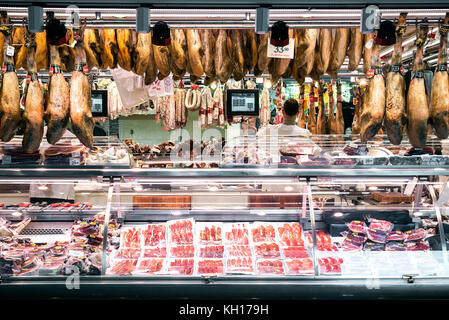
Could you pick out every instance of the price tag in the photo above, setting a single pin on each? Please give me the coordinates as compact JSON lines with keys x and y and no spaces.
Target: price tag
{"x":76,"y":154}
{"x":369,"y":161}
{"x":73,"y":44}
{"x":286,"y":52}
{"x":6,"y":159}
{"x":10,"y":51}
{"x":369,"y":44}
{"x":75,"y":162}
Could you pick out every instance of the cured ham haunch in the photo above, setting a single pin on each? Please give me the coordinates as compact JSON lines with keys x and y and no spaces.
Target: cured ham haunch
{"x":223,"y":56}
{"x":368,"y":43}
{"x":321,"y":121}
{"x":151,"y":72}
{"x":178,"y":53}
{"x":262,"y":60}
{"x":238,"y":47}
{"x":358,"y":110}
{"x":338,"y":55}
{"x":339,"y":121}
{"x":125,"y":46}
{"x":208,"y":47}
{"x":92,"y":48}
{"x":141,"y":54}
{"x":109,"y":48}
{"x":322,"y":53}
{"x":41,"y":55}
{"x":20,"y":52}
{"x":355,"y":49}
{"x":305,"y":42}
{"x":195,"y":54}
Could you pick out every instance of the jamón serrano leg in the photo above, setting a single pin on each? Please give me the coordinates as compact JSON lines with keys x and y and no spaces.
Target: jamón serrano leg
{"x":339,"y":120}
{"x":321,"y":121}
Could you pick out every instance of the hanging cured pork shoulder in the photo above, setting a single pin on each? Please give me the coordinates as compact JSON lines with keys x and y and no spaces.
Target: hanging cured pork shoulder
{"x":321,"y":120}
{"x":92,"y":48}
{"x":355,"y":49}
{"x":251,"y":49}
{"x":57,"y":110}
{"x":151,"y":72}
{"x":80,"y":99}
{"x":109,"y":48}
{"x":34,"y":104}
{"x":357,"y":111}
{"x":178,"y":50}
{"x":262,"y":59}
{"x":339,"y":120}
{"x":67,"y":54}
{"x":368,"y":43}
{"x":339,"y":48}
{"x":322,"y":53}
{"x":301,"y":117}
{"x":279,"y":66}
{"x":125,"y":46}
{"x":439,"y":106}
{"x":20,"y":52}
{"x":417,"y":106}
{"x":208,"y":46}
{"x":374,"y":101}
{"x":395,"y":85}
{"x":41,"y":55}
{"x":238,"y":47}
{"x":141,"y":54}
{"x":330,"y":109}
{"x":311,"y":121}
{"x":9,"y":94}
{"x":223,"y":57}
{"x":305,"y":42}
{"x":195,"y":53}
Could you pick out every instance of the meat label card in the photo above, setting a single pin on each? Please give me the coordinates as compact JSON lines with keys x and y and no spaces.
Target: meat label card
{"x":286,"y":52}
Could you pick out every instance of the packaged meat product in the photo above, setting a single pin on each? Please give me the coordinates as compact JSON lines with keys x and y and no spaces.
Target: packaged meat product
{"x":355,"y":149}
{"x":377,"y":235}
{"x":180,"y":231}
{"x":210,"y":266}
{"x":299,"y":266}
{"x":240,"y":265}
{"x":395,"y":246}
{"x":131,"y":238}
{"x":155,"y":252}
{"x":329,"y":265}
{"x":373,"y":246}
{"x":350,"y":245}
{"x":123,"y":267}
{"x":295,"y":252}
{"x":419,"y":245}
{"x":326,"y":247}
{"x":297,"y":149}
{"x":154,"y":235}
{"x":237,"y":233}
{"x":183,"y":251}
{"x":263,"y":232}
{"x":274,"y":267}
{"x":355,"y":237}
{"x":322,"y":238}
{"x":380,"y":225}
{"x":396,"y":236}
{"x":150,"y":266}
{"x":290,"y":234}
{"x":238,"y":251}
{"x":129,"y":253}
{"x":211,"y":251}
{"x":416,"y":234}
{"x":209,"y":233}
{"x":267,"y":250}
{"x":357,"y":226}
{"x":180,"y":267}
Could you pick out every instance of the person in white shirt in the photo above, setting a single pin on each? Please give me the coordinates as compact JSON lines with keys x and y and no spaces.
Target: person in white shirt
{"x":290,"y":111}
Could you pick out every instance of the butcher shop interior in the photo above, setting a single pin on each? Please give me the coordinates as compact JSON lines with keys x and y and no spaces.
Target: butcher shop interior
{"x":177,"y":149}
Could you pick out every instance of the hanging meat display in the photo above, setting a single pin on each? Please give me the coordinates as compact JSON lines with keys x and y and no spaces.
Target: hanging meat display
{"x":355,"y":49}
{"x":80,"y":96}
{"x":41,"y":55}
{"x":125,"y":49}
{"x":151,"y":71}
{"x":251,"y":50}
{"x":305,"y":42}
{"x":322,"y":53}
{"x":9,"y":94}
{"x":20,"y":52}
{"x":109,"y":48}
{"x":178,"y":52}
{"x":301,"y":118}
{"x":92,"y":48}
{"x":358,"y":108}
{"x":278,"y":66}
{"x":321,"y":120}
{"x":311,"y":121}
{"x":223,"y":56}
{"x":141,"y":54}
{"x":262,"y":60}
{"x":265,"y":113}
{"x":238,"y":47}
{"x":67,"y":53}
{"x":180,"y":106}
{"x":417,"y":106}
{"x":195,"y":54}
{"x":368,"y":43}
{"x":339,"y":121}
{"x":439,"y":105}
{"x":339,"y":48}
{"x":395,"y":86}
{"x":34,"y":103}
{"x":208,"y":47}
{"x":330,"y":109}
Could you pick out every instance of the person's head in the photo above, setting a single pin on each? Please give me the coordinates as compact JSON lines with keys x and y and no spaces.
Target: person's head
{"x":291,"y":108}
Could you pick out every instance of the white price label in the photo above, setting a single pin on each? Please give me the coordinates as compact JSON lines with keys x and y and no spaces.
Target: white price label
{"x":369,"y":44}
{"x":304,"y":158}
{"x":6,"y":159}
{"x":76,"y":154}
{"x":73,"y":44}
{"x":287,"y":52}
{"x":368,"y":161}
{"x":75,"y":162}
{"x":10,"y":51}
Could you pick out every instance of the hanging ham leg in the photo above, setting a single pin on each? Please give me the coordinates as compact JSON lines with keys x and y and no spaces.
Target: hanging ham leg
{"x":301,"y":117}
{"x":357,"y":111}
{"x":439,"y":106}
{"x":322,"y":53}
{"x":125,"y":45}
{"x":41,"y":55}
{"x":223,"y":57}
{"x":395,"y":84}
{"x":109,"y":46}
{"x":34,"y":105}
{"x":368,"y":43}
{"x":355,"y":49}
{"x":330,"y":109}
{"x":262,"y":59}
{"x":151,"y":72}
{"x":374,"y":101}
{"x":92,"y":48}
{"x":311,"y":123}
{"x":20,"y":52}
{"x":338,"y":55}
{"x":238,"y":46}
{"x":321,"y":121}
{"x":178,"y":51}
{"x":305,"y":42}
{"x":208,"y":46}
{"x":339,"y":120}
{"x":195,"y":54}
{"x":57,"y":111}
{"x":417,"y":106}
{"x":141,"y":54}
{"x":9,"y":95}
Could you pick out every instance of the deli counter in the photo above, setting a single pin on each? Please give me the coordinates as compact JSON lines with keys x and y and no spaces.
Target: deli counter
{"x":364,"y":229}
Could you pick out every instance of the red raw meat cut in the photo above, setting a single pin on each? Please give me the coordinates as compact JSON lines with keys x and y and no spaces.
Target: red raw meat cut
{"x":355,"y":237}
{"x":270,"y":267}
{"x":150,"y":265}
{"x":417,"y":234}
{"x":156,"y":252}
{"x":181,"y":267}
{"x":322,"y":238}
{"x":181,"y":231}
{"x":355,"y":150}
{"x":395,"y":246}
{"x":210,"y":266}
{"x":295,"y":252}
{"x":290,"y":234}
{"x":299,"y":266}
{"x":263,"y":233}
{"x":326,"y":247}
{"x":131,"y":238}
{"x":349,"y":245}
{"x":239,"y":251}
{"x":330,"y":265}
{"x":240,"y":265}
{"x":396,"y":236}
{"x":124,"y":267}
{"x":237,"y":234}
{"x":187,"y":251}
{"x":417,"y":246}
{"x":377,"y":235}
{"x":212,"y":252}
{"x":357,"y":226}
{"x":297,"y":149}
{"x":373,"y":246}
{"x":210,"y":234}
{"x":381,"y":225}
{"x":129,"y":253}
{"x":154,"y":235}
{"x":267,"y":250}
